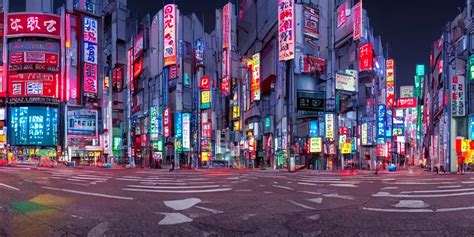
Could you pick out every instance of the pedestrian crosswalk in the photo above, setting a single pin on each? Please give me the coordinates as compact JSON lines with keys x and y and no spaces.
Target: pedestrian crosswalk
{"x":175,"y":183}
{"x":79,"y":177}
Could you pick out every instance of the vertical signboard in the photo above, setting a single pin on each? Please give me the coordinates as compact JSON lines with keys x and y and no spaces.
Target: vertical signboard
{"x":255,"y":81}
{"x":90,"y":69}
{"x":357,"y":11}
{"x":458,"y":97}
{"x":381,"y":124}
{"x":227,"y":48}
{"x":313,"y":128}
{"x":364,"y":135}
{"x":389,"y":117}
{"x":329,"y":122}
{"x":166,"y":122}
{"x":286,"y":32}
{"x":153,"y":123}
{"x":311,"y":22}
{"x":390,"y":77}
{"x":169,"y":35}
{"x":365,"y":57}
{"x":186,"y":131}
{"x":341,"y":15}
{"x":178,"y":131}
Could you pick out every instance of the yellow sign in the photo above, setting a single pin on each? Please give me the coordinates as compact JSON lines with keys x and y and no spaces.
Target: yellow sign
{"x":464,"y":145}
{"x":236,"y":125}
{"x":205,"y":97}
{"x":316,"y":145}
{"x":346,"y":148}
{"x":236,"y":112}
{"x":204,"y":156}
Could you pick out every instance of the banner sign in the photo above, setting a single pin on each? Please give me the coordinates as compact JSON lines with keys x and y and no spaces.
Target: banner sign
{"x":206,"y":99}
{"x":366,"y":57}
{"x":357,"y":30}
{"x":90,"y":73}
{"x":406,"y":103}
{"x":381,"y":124}
{"x":458,"y":97}
{"x":166,"y":122}
{"x":199,"y":52}
{"x":186,"y":131}
{"x":313,"y":64}
{"x":227,"y":26}
{"x":82,"y":122}
{"x":33,"y":46}
{"x":389,"y":117}
{"x":153,"y":123}
{"x":286,"y":30}
{"x":33,"y":24}
{"x":346,"y":148}
{"x":178,"y":130}
{"x":205,"y":82}
{"x":346,"y":82}
{"x":329,"y":122}
{"x":169,"y":35}
{"x":341,"y":15}
{"x":390,"y":86}
{"x":313,"y":128}
{"x":255,"y":81}
{"x":311,"y":22}
{"x":316,"y":145}
{"x":138,"y":45}
{"x":31,"y":84}
{"x":364,"y":135}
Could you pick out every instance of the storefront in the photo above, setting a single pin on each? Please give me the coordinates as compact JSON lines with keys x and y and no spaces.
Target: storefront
{"x":87,"y":156}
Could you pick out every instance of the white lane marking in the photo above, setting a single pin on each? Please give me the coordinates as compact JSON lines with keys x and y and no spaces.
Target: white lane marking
{"x":316,"y":200}
{"x":243,"y":190}
{"x":174,"y":218}
{"x":283,"y":187}
{"x":173,"y":187}
{"x":335,"y":195}
{"x":419,"y":183}
{"x":233,"y":178}
{"x":411,"y":204}
{"x":330,"y":181}
{"x":300,"y":205}
{"x":468,"y":182}
{"x":80,"y":184}
{"x":246,"y":217}
{"x":344,"y":185}
{"x":309,"y":192}
{"x":310,"y":184}
{"x":210,"y":210}
{"x":455,"y":209}
{"x":397,"y":210}
{"x":439,"y":191}
{"x":267,"y":192}
{"x":99,"y":230}
{"x":179,"y":205}
{"x":388,"y":188}
{"x":9,"y":187}
{"x":452,"y":186}
{"x":178,"y":191}
{"x":93,"y":176}
{"x":89,"y":178}
{"x":87,"y":193}
{"x":314,"y":217}
{"x":384,"y":194}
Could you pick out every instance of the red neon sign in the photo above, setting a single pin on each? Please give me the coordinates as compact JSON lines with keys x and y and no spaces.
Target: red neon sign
{"x":21,"y":24}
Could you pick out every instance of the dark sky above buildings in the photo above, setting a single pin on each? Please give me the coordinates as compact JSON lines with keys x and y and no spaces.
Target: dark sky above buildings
{"x":409,"y":27}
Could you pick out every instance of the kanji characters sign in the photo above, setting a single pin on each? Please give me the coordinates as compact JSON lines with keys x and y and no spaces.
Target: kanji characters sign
{"x":169,"y":35}
{"x":24,"y":24}
{"x":286,"y":30}
{"x":365,"y":57}
{"x":405,"y":103}
{"x":458,"y":96}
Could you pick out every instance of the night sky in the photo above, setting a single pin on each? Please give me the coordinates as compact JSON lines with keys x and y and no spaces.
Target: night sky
{"x":409,"y":27}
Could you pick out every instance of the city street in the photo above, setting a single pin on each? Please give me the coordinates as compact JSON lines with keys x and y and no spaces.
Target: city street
{"x":222,"y":202}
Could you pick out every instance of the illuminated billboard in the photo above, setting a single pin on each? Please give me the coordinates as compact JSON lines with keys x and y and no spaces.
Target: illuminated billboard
{"x":82,"y":122}
{"x":286,"y":30}
{"x":90,"y":69}
{"x":33,"y":125}
{"x":33,"y":24}
{"x":169,"y":35}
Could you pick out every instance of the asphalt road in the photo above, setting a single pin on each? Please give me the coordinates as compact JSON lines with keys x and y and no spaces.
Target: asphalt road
{"x":142,"y":202}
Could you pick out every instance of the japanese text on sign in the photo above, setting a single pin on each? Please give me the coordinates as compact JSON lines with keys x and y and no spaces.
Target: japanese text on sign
{"x":33,"y":24}
{"x":169,"y":34}
{"x":286,"y":32}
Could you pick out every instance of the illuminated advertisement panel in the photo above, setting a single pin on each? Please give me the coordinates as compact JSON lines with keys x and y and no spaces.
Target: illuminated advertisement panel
{"x":255,"y":81}
{"x":166,"y":122}
{"x":205,"y":82}
{"x":316,"y":145}
{"x":33,"y":24}
{"x":357,"y":30}
{"x":205,"y":99}
{"x":153,"y":123}
{"x":329,"y":122}
{"x":33,"y":84}
{"x":381,"y":124}
{"x":169,"y":35}
{"x":406,"y":103}
{"x":186,"y":131}
{"x":33,"y":125}
{"x":138,"y":45}
{"x":365,"y":57}
{"x":286,"y":30}
{"x":82,"y":122}
{"x":390,"y":78}
{"x":178,"y":130}
{"x":90,"y":71}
